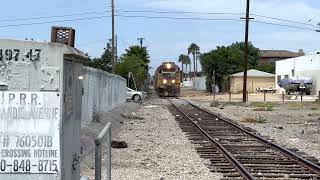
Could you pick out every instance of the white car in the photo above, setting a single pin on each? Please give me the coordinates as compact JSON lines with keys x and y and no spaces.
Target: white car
{"x":135,"y":95}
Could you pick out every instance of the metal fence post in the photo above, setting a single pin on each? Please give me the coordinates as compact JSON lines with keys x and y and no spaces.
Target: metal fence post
{"x":109,"y":155}
{"x":97,"y":160}
{"x":98,"y":157}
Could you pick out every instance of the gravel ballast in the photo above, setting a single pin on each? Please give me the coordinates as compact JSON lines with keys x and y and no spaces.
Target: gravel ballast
{"x":296,"y":129}
{"x":157,"y":148}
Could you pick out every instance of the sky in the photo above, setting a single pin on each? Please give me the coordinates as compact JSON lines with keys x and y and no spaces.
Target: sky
{"x":165,"y":38}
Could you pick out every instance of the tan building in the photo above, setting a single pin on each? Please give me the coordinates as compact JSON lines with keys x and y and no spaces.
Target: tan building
{"x":256,"y":79}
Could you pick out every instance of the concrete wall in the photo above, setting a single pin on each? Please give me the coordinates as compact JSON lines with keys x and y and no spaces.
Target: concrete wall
{"x":51,"y":71}
{"x":102,"y":92}
{"x":304,"y":66}
{"x":252,"y":85}
{"x":200,"y":83}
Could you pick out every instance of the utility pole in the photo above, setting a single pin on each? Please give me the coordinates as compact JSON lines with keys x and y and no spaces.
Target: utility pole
{"x":141,"y":42}
{"x":246,"y":52}
{"x":116,"y":49}
{"x":113,"y":43}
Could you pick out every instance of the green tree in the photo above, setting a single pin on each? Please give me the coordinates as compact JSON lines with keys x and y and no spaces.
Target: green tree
{"x":225,"y":61}
{"x":193,"y":49}
{"x":104,"y":62}
{"x":135,"y":60}
{"x":267,"y":67}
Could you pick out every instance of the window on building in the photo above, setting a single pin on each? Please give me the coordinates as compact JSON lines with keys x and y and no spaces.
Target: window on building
{"x":278,"y":78}
{"x":286,"y":76}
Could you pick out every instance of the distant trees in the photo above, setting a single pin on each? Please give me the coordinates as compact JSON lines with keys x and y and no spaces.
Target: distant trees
{"x":135,"y":60}
{"x":226,"y":60}
{"x":267,"y":67}
{"x":104,"y":62}
{"x":194,"y":49}
{"x":184,"y":60}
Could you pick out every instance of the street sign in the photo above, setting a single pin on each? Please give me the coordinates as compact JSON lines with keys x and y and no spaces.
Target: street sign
{"x":29,"y":132}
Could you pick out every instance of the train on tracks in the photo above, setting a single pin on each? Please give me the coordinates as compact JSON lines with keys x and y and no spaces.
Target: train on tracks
{"x":167,"y":80}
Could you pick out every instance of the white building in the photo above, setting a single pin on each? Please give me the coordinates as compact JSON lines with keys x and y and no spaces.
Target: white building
{"x":304,"y":66}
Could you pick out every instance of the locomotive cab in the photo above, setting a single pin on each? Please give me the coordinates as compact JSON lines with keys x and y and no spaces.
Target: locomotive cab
{"x":168,"y":79}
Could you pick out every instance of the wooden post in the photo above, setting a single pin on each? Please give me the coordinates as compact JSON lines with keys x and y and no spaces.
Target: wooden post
{"x":230,"y":96}
{"x":282,"y":96}
{"x":247,"y":96}
{"x":264,"y":96}
{"x":301,"y":95}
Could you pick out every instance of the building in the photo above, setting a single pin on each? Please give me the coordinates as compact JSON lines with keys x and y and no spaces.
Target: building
{"x":271,"y":56}
{"x":304,"y":66}
{"x":256,"y":79}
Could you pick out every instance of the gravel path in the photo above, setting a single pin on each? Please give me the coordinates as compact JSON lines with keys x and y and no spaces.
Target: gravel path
{"x":157,"y":149}
{"x":298,"y":129}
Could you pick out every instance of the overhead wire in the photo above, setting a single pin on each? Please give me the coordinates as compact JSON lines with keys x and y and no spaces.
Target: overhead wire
{"x":54,"y":16}
{"x":154,"y":17}
{"x":56,"y":21}
{"x":213,"y":13}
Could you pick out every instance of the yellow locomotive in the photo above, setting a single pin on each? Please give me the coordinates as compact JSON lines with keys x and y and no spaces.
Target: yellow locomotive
{"x":167,"y":79}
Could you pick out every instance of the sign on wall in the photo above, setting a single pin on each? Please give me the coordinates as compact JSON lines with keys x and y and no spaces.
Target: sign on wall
{"x":29,"y":132}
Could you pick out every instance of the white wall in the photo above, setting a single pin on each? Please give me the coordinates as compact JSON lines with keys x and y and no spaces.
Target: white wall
{"x":200,"y":83}
{"x":304,"y":66}
{"x":102,"y":92}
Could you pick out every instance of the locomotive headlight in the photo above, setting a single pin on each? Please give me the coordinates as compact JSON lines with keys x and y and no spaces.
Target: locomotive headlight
{"x":168,"y":66}
{"x":164,"y":81}
{"x":173,"y":81}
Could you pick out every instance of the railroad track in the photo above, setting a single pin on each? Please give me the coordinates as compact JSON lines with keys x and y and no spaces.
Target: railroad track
{"x":239,"y":153}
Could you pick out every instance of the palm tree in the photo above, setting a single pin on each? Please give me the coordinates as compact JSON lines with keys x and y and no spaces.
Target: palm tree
{"x":193,"y":49}
{"x":188,"y":62}
{"x":184,"y":59}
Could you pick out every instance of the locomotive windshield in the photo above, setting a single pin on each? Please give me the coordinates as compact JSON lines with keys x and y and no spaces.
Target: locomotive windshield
{"x":169,"y":75}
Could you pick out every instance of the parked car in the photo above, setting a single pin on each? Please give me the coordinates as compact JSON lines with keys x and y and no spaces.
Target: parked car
{"x":292,"y":85}
{"x":135,"y":95}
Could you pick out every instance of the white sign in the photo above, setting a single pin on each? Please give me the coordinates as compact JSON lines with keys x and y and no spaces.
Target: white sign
{"x":29,"y":132}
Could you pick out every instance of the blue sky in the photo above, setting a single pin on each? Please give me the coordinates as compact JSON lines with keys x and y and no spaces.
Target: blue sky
{"x":165,"y":38}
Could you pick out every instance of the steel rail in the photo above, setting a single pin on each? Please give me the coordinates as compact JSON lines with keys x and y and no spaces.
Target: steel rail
{"x":242,"y":170}
{"x":304,"y":162}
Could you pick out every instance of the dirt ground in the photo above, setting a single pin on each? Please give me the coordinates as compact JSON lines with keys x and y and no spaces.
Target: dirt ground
{"x":290,"y":124}
{"x":157,"y":148}
{"x":253,"y":97}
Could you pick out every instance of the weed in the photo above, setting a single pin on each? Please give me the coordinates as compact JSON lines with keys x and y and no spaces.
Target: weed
{"x":263,"y":106}
{"x":261,"y":119}
{"x":314,"y":108}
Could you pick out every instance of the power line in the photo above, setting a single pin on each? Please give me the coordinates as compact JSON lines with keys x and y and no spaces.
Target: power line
{"x":283,"y":25}
{"x":212,"y":13}
{"x":54,"y":16}
{"x":285,"y":20}
{"x":213,"y":19}
{"x":148,"y":17}
{"x":179,"y":12}
{"x":179,"y":18}
{"x":48,"y":22}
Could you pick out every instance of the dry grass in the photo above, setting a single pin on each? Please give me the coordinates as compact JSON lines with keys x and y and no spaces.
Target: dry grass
{"x":259,"y":119}
{"x":296,"y":106}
